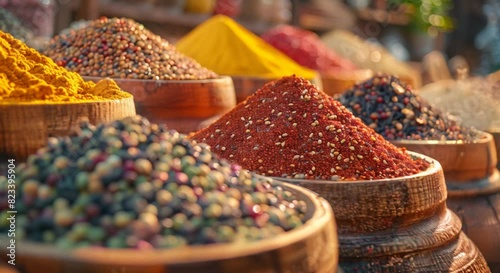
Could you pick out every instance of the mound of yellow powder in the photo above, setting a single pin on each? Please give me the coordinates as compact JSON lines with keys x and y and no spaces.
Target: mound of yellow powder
{"x":28,"y":76}
{"x":227,"y":48}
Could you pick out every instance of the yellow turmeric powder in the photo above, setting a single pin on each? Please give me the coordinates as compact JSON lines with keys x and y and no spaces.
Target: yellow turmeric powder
{"x":227,"y":48}
{"x":28,"y":76}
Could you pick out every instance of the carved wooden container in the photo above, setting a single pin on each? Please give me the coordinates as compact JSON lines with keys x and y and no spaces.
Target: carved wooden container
{"x":398,"y":225}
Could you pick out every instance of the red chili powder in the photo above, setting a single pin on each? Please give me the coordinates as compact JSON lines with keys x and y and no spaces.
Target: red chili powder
{"x":306,"y":48}
{"x":291,"y":129}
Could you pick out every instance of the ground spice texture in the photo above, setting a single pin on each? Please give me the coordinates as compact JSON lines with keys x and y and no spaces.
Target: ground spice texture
{"x":291,"y":129}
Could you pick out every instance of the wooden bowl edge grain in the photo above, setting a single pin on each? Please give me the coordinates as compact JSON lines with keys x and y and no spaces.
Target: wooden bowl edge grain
{"x":177,"y":95}
{"x":25,"y":127}
{"x":365,"y":205}
{"x":462,"y":161}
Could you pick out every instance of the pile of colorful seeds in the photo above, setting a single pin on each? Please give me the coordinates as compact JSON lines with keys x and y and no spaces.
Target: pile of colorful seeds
{"x":132,"y":184}
{"x":122,"y":48}
{"x":392,"y":109}
{"x":9,"y":23}
{"x":291,"y":129}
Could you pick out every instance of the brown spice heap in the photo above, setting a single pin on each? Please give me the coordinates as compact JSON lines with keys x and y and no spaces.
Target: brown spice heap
{"x":291,"y":129}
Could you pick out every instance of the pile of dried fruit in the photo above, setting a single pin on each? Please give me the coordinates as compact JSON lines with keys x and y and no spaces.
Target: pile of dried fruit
{"x":392,"y":109}
{"x":132,"y":184}
{"x":122,"y":48}
{"x":289,"y":128}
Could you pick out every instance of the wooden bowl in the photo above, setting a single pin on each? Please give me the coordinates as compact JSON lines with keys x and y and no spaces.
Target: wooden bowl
{"x":478,"y":207}
{"x":312,"y":247}
{"x":181,"y":105}
{"x":246,"y":86}
{"x":340,"y":81}
{"x":462,"y":162}
{"x":398,"y":225}
{"x":477,"y":204}
{"x":375,"y":205}
{"x":496,"y":137}
{"x":25,"y":127}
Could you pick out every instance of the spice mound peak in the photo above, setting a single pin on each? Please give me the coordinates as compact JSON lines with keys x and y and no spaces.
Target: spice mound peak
{"x":226,"y":47}
{"x":28,"y":76}
{"x":123,"y":48}
{"x":133,"y":184}
{"x":291,"y":129}
{"x":394,"y":110}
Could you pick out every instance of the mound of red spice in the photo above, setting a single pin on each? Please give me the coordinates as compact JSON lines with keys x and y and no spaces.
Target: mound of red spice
{"x":306,"y":48}
{"x":291,"y":129}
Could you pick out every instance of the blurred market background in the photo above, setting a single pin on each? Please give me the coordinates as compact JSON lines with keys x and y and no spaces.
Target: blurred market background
{"x":441,"y":60}
{"x":466,"y":32}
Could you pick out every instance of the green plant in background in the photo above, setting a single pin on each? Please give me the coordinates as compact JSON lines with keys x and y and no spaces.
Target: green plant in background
{"x":429,"y":16}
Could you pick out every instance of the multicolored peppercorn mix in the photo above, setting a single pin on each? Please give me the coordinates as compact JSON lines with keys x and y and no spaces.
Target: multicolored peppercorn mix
{"x":132,"y":184}
{"x":291,"y":129}
{"x":392,"y":109}
{"x":122,"y":48}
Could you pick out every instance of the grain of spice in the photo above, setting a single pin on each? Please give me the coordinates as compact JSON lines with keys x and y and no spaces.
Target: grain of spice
{"x":122,"y":48}
{"x":291,"y":129}
{"x":132,"y":184}
{"x":391,"y":107}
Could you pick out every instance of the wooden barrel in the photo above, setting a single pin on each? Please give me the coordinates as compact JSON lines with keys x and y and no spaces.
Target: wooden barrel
{"x":25,"y":127}
{"x":181,"y":105}
{"x":246,"y":86}
{"x":311,"y":248}
{"x":398,"y":225}
{"x":478,"y":207}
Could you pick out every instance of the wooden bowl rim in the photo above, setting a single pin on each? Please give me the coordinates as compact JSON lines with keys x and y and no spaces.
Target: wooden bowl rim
{"x":253,"y":78}
{"x":58,"y":103}
{"x":484,"y":186}
{"x":484,"y":138}
{"x":257,"y":78}
{"x":159,"y":82}
{"x":353,"y":74}
{"x":322,"y":215}
{"x":435,"y":167}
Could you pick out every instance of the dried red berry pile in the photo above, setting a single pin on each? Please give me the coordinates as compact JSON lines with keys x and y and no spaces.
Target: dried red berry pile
{"x":291,"y":129}
{"x":306,"y":48}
